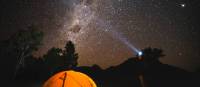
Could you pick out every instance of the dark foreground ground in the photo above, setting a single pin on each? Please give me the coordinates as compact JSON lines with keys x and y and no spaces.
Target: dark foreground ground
{"x":123,"y":75}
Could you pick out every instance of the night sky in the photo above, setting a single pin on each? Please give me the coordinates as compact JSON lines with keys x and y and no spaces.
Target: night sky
{"x":106,"y":31}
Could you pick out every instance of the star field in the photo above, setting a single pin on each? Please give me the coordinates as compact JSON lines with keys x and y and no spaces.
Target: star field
{"x":103,"y":29}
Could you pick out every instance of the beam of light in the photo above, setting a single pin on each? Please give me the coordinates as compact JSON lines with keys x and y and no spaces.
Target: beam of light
{"x":124,"y":40}
{"x":107,"y":27}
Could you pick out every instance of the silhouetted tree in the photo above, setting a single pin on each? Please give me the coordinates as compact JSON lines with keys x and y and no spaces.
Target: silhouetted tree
{"x":25,"y":42}
{"x":152,"y":55}
{"x":22,"y":44}
{"x":70,"y":56}
{"x":53,"y":59}
{"x":33,"y":70}
{"x":57,"y":59}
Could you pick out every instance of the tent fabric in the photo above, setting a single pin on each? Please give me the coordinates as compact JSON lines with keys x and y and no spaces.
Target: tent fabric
{"x":69,"y":79}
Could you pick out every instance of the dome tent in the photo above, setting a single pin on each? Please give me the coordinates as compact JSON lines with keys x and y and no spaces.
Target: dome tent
{"x":69,"y":79}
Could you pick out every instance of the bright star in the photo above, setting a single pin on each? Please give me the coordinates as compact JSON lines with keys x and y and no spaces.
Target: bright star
{"x":182,"y":5}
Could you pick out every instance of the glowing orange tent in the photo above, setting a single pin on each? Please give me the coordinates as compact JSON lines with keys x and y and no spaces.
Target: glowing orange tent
{"x":69,"y":79}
